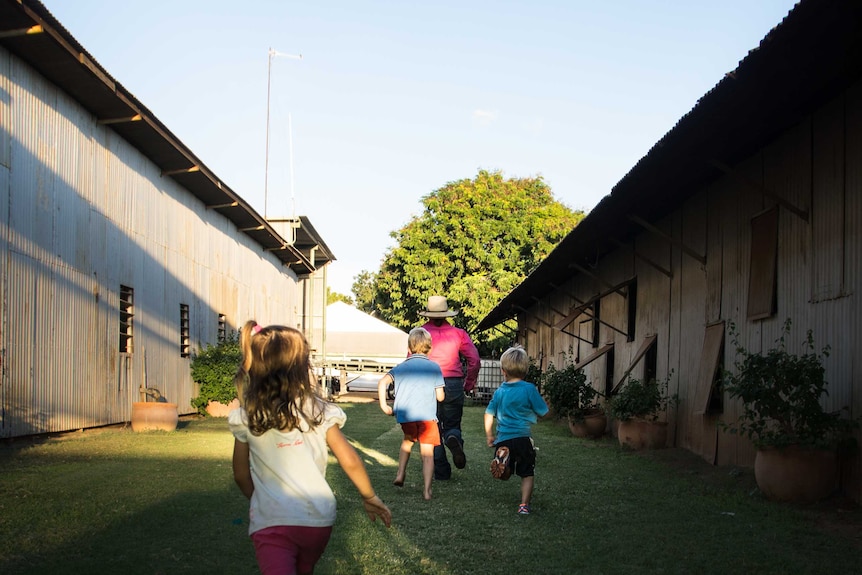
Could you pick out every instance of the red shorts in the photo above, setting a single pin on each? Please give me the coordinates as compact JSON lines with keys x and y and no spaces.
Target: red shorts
{"x":289,"y":549}
{"x":425,"y":432}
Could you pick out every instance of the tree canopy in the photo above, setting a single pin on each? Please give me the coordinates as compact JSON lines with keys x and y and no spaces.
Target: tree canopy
{"x":475,"y":241}
{"x":334,"y":296}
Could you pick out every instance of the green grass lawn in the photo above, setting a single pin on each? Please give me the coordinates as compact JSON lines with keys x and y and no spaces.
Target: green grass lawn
{"x":114,"y":501}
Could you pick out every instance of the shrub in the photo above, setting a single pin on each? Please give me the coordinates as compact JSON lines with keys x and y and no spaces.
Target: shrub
{"x":643,"y":400}
{"x":213,"y":369}
{"x":568,"y":392}
{"x":780,"y":394}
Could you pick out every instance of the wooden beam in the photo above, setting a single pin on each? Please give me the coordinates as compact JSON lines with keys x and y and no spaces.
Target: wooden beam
{"x":582,"y":306}
{"x":550,"y":307}
{"x":648,"y":342}
{"x":739,"y":178}
{"x":649,"y":227}
{"x":642,"y":257}
{"x":594,"y":356}
{"x":123,"y":120}
{"x":219,"y":206}
{"x":181,"y":171}
{"x":37,"y":29}
{"x":540,"y":320}
{"x":587,"y":272}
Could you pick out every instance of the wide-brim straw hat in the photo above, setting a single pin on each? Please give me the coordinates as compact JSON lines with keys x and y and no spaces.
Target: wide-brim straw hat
{"x":438,"y":307}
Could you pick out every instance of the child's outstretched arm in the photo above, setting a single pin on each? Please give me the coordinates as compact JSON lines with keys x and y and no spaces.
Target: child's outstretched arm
{"x":352,"y":465}
{"x":489,"y":429}
{"x":381,"y":393}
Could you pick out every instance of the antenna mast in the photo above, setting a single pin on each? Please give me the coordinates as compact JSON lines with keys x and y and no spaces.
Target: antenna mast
{"x":272,"y":53}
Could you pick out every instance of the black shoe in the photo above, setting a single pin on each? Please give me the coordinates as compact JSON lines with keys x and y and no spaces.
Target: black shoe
{"x":458,"y":456}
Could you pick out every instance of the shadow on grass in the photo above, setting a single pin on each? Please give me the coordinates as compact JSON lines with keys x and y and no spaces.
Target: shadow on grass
{"x":119,"y":502}
{"x":190,"y":532}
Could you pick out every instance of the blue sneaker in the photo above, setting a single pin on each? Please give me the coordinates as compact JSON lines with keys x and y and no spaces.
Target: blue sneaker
{"x":523,"y":509}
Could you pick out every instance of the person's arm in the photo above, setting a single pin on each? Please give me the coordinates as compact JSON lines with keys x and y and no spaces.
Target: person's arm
{"x":471,"y":355}
{"x":489,"y":429}
{"x":381,"y":393}
{"x":440,"y":393}
{"x":242,"y":468}
{"x":352,"y":465}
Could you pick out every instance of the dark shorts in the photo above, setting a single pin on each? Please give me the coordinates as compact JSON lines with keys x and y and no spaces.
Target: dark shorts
{"x":522,"y":455}
{"x":425,"y":432}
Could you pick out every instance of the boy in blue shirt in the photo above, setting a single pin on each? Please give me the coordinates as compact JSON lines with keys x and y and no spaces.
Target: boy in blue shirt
{"x":419,"y":385}
{"x":516,"y":405}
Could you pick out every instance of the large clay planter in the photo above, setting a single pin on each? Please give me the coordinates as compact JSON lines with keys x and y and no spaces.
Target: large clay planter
{"x":642,"y":434}
{"x":218,"y":409}
{"x":593,"y":426}
{"x":154,"y":416}
{"x":796,"y":474}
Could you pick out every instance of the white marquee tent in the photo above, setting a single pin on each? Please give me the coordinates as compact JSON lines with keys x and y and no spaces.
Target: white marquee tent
{"x":354,"y":336}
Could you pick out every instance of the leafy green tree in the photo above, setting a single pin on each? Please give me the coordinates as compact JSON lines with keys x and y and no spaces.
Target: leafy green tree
{"x":363,"y":291}
{"x":475,"y":240}
{"x":334,"y":296}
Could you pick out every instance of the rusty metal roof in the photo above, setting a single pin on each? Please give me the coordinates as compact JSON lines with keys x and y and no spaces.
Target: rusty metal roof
{"x":30,"y":32}
{"x":808,"y":59}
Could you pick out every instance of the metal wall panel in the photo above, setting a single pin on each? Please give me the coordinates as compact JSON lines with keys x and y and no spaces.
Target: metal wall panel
{"x":87,"y":212}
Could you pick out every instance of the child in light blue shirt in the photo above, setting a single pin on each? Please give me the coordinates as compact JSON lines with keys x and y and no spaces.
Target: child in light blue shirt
{"x":516,"y":405}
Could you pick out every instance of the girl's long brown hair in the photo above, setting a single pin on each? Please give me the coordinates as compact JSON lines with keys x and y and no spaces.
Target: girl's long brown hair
{"x":240,"y":379}
{"x":281,"y":391}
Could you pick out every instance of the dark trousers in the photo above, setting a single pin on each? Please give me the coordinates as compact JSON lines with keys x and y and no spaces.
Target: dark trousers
{"x":449,"y":412}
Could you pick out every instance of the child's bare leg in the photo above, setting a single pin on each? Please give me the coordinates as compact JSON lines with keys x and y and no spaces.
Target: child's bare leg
{"x":403,"y":458}
{"x":427,"y":452}
{"x":526,"y":489}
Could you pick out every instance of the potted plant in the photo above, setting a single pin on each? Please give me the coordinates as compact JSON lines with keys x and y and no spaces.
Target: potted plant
{"x":637,"y":407}
{"x":571,"y":397}
{"x":213,"y":369}
{"x":797,"y":440}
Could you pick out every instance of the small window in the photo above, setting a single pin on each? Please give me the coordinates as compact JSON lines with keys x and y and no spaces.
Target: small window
{"x":708,"y":397}
{"x":597,"y":316}
{"x":185,"y":339}
{"x":609,"y":373}
{"x":632,"y":309}
{"x":651,"y":363}
{"x":221,"y":337}
{"x":127,"y":314}
{"x":762,"y":266}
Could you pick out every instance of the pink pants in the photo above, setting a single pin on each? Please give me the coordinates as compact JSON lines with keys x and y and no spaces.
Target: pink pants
{"x":289,"y":550}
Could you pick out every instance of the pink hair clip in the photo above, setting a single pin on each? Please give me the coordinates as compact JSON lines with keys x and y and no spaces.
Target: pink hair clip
{"x":256,"y":329}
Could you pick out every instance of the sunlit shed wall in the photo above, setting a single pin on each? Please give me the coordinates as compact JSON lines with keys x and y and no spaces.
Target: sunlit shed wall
{"x":82,"y":213}
{"x":748,"y":212}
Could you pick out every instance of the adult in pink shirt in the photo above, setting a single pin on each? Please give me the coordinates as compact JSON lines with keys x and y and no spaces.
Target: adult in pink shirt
{"x":450,"y":346}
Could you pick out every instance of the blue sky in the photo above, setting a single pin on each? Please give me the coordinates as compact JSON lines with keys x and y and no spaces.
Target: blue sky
{"x":393,"y":99}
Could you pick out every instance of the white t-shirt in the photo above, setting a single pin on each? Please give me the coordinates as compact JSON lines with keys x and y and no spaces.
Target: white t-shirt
{"x":289,"y":472}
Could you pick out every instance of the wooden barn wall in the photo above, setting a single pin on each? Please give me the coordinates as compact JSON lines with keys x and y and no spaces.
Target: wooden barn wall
{"x":852,"y":479}
{"x":687,"y":319}
{"x":816,"y":167}
{"x":653,"y":306}
{"x":82,"y":213}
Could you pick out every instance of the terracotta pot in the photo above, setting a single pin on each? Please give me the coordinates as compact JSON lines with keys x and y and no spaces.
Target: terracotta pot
{"x":219,"y":409}
{"x":154,"y":415}
{"x":796,"y":474}
{"x":593,"y":425}
{"x":642,"y":434}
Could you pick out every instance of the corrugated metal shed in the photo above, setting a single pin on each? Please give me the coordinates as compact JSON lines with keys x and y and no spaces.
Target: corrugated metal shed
{"x":806,"y":60}
{"x":30,"y":31}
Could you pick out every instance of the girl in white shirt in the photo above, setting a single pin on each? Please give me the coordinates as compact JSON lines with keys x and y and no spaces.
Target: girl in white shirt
{"x":281,"y":436}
